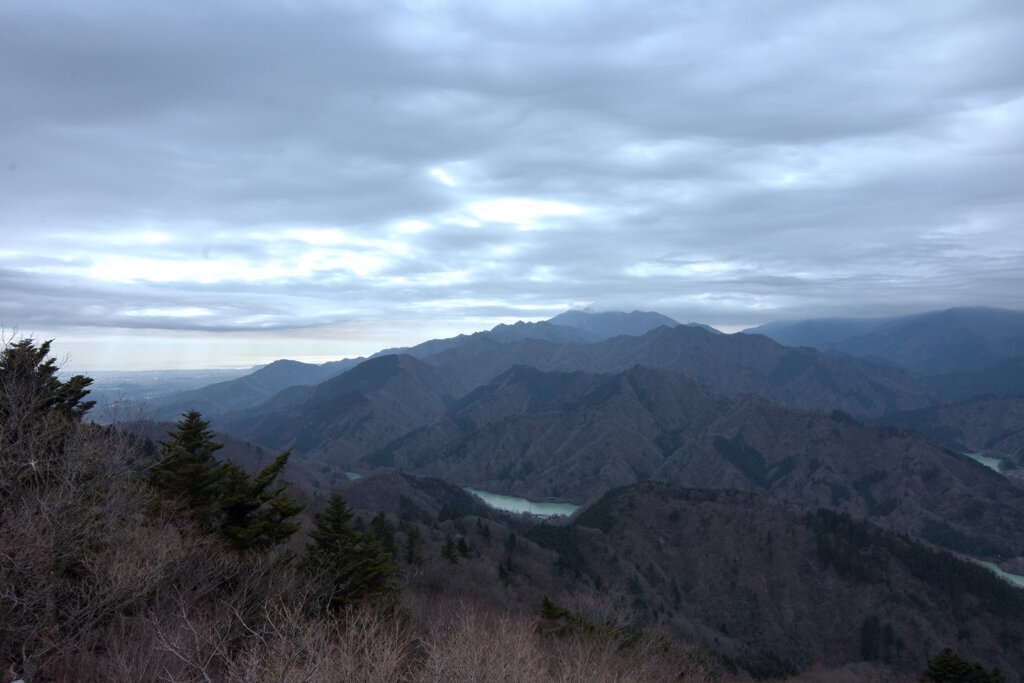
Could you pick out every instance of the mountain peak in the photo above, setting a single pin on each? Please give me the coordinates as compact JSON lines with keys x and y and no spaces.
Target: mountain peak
{"x":613,"y":323}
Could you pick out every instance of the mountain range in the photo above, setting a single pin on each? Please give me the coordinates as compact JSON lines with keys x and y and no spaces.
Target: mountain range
{"x":725,"y":479}
{"x":957,"y":340}
{"x":573,"y":436}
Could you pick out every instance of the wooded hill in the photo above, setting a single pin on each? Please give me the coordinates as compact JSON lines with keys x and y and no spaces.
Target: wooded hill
{"x":732,"y":487}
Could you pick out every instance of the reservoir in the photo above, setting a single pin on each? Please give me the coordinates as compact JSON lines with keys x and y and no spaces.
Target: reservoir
{"x":992,"y":463}
{"x":1012,"y":578}
{"x":513,"y":504}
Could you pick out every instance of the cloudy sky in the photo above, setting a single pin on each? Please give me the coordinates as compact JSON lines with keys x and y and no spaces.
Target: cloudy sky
{"x":213,"y":182}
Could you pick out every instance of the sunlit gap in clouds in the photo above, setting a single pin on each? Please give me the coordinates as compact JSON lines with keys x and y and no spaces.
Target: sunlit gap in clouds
{"x":442,"y":176}
{"x":525,"y":213}
{"x":670,"y":268}
{"x":187,"y":312}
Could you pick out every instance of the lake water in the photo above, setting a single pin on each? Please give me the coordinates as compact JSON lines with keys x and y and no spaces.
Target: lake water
{"x":1012,"y":578}
{"x":992,"y":463}
{"x":513,"y":504}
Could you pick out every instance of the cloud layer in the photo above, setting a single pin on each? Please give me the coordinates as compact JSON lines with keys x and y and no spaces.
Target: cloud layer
{"x":277,"y":165}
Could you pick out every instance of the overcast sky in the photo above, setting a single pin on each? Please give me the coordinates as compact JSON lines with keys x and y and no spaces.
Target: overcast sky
{"x":217,"y":182}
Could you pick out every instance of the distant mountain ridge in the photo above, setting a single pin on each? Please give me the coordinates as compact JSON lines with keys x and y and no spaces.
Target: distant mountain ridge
{"x":940,"y":343}
{"x":953,"y":340}
{"x":613,"y":324}
{"x":729,"y":365}
{"x":579,"y":327}
{"x":247,"y":391}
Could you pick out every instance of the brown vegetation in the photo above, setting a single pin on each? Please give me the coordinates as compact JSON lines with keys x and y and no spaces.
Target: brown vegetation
{"x":102,"y":578}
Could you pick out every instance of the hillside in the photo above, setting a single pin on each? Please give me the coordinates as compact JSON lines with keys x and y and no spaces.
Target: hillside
{"x":954,"y":340}
{"x":729,"y":365}
{"x":573,"y":436}
{"x":1002,"y":378}
{"x":739,"y":571}
{"x":989,"y":424}
{"x":245,"y":392}
{"x":350,"y":415}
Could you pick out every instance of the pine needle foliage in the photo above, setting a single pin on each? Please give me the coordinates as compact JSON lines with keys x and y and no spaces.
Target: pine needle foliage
{"x":187,"y":470}
{"x":248,"y":512}
{"x":252,"y":514}
{"x":27,"y":365}
{"x":950,"y":667}
{"x":355,"y":566}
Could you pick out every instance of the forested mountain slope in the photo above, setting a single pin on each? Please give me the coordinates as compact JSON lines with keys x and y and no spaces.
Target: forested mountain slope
{"x":993,"y":424}
{"x":738,"y":570}
{"x":350,"y":415}
{"x":573,"y":436}
{"x":729,"y":365}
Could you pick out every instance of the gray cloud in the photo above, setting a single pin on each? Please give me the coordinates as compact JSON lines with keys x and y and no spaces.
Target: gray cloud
{"x":285,"y":166}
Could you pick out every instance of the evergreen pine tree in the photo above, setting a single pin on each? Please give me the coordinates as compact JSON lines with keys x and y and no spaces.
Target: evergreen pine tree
{"x":383,"y":530}
{"x":221,"y":496}
{"x":370,"y":575}
{"x":187,"y":470}
{"x":26,"y":373}
{"x":449,"y":552}
{"x":950,"y":667}
{"x":250,"y":515}
{"x":413,"y":537}
{"x":355,"y":565}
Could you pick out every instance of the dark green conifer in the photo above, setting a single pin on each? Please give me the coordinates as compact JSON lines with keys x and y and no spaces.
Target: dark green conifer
{"x":251,"y":516}
{"x":187,"y":470}
{"x":221,"y":496}
{"x":413,"y":538}
{"x":28,"y":375}
{"x":449,"y":552}
{"x":383,"y":530}
{"x":550,"y":611}
{"x":950,"y":667}
{"x":355,"y":565}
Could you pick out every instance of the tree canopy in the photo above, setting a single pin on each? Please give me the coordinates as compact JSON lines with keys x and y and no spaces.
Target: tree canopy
{"x":186,"y":468}
{"x":355,"y":565}
{"x":29,"y":374}
{"x":248,"y":512}
{"x":950,"y":667}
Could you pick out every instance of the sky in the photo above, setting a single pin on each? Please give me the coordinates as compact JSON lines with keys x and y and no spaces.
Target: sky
{"x":221,"y":183}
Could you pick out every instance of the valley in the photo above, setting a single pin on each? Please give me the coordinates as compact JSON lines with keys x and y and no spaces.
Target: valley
{"x":722,"y":486}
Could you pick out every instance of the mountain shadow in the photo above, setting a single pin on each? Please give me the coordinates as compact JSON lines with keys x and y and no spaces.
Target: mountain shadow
{"x":990,"y":424}
{"x":602,"y":431}
{"x":741,"y":572}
